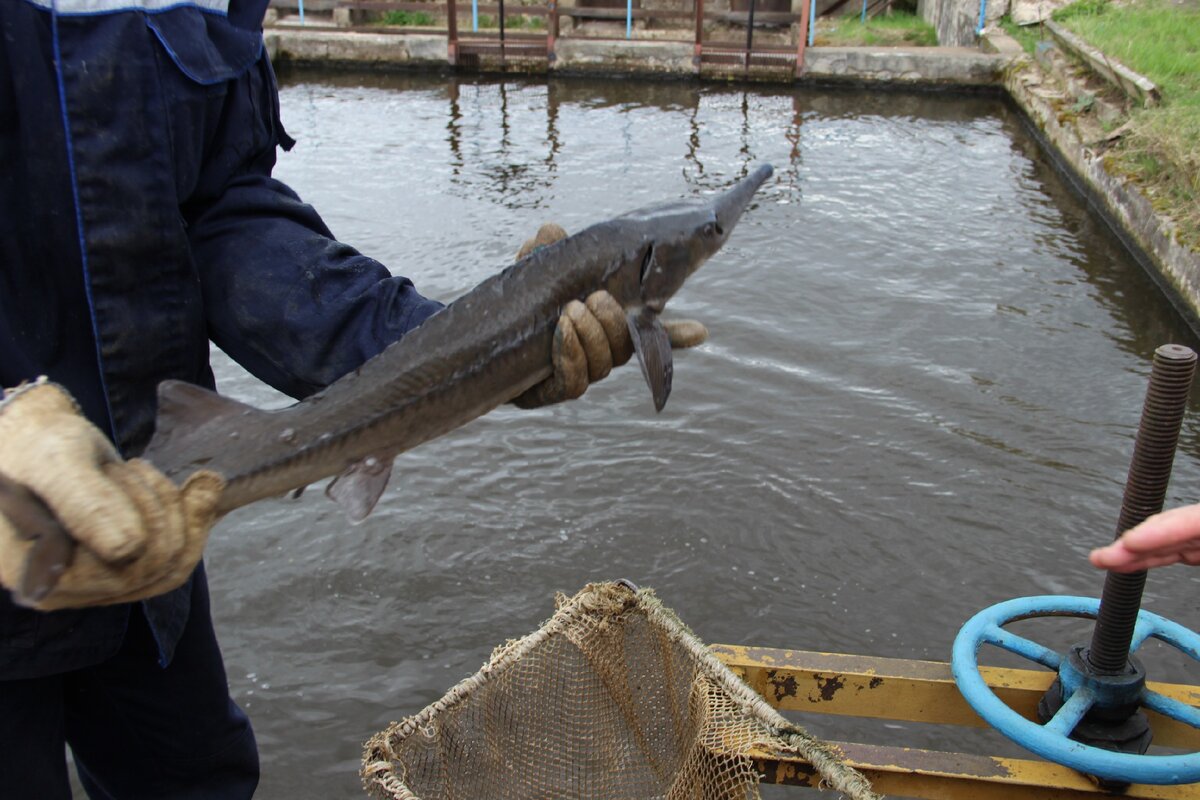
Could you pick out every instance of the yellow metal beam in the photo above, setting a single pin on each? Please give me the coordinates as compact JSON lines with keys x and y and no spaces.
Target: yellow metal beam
{"x":909,"y":772}
{"x":914,"y":691}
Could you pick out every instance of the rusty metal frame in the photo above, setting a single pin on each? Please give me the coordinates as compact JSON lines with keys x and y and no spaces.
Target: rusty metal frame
{"x":523,"y":46}
{"x":505,"y":45}
{"x":747,"y":55}
{"x":924,"y":691}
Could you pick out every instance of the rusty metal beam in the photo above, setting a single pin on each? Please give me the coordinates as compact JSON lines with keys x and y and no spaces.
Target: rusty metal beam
{"x":802,"y":38}
{"x":451,"y":35}
{"x":620,"y":13}
{"x":909,"y":772}
{"x":914,"y":691}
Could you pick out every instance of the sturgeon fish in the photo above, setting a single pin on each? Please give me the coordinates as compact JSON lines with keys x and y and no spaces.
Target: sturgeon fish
{"x":482,"y":350}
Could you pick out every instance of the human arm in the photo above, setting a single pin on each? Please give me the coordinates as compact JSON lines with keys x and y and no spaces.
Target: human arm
{"x":281,"y":294}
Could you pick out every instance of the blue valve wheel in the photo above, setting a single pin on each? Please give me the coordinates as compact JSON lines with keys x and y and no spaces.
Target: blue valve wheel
{"x":1051,"y":740}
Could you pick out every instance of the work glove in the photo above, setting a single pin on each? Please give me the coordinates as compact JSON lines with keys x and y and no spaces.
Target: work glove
{"x":135,"y":533}
{"x":591,"y":338}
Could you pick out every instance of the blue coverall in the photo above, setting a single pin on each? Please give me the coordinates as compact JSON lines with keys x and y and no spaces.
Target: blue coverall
{"x":139,"y":220}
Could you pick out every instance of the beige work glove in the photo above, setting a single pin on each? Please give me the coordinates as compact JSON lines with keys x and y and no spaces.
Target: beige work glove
{"x":591,"y":338}
{"x":135,"y":533}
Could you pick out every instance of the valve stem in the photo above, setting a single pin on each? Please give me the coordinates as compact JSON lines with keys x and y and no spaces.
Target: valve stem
{"x":1145,"y":490}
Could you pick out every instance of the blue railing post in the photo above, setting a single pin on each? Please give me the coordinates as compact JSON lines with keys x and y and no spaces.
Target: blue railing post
{"x":628,"y":19}
{"x":301,"y":12}
{"x":812,"y":21}
{"x":475,"y":15}
{"x":982,"y":17}
{"x":863,"y":18}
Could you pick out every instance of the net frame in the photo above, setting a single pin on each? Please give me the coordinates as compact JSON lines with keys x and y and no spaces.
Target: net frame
{"x":415,"y":759}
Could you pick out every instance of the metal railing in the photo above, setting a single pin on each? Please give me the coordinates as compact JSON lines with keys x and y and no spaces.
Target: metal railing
{"x":505,"y":47}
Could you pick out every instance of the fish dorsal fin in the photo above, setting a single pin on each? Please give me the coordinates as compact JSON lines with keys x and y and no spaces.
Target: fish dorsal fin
{"x":357,"y":490}
{"x":179,"y":401}
{"x":653,"y":347}
{"x":186,"y":412}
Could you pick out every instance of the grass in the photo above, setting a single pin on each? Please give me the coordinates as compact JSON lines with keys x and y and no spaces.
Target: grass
{"x":1026,"y":35}
{"x":511,"y":22}
{"x":1161,"y":40}
{"x":891,"y":30}
{"x":415,"y":19}
{"x":422,"y":19}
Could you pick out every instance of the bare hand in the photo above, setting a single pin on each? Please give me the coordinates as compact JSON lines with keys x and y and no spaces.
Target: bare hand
{"x":1171,"y":537}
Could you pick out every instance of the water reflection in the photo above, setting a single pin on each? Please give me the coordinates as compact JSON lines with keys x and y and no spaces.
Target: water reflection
{"x":509,"y":150}
{"x":477,"y":113}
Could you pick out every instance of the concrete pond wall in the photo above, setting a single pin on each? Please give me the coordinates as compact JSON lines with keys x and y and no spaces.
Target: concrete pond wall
{"x":955,"y":21}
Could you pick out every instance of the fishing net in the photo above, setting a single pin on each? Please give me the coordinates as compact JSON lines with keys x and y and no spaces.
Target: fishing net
{"x":613,"y":698}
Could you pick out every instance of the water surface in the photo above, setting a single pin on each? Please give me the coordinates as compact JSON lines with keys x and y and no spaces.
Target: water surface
{"x":926,"y":366}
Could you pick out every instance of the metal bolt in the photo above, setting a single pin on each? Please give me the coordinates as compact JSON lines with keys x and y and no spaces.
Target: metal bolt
{"x":1145,"y":490}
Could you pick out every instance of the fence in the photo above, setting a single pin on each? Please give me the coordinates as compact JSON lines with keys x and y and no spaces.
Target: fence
{"x":505,"y":47}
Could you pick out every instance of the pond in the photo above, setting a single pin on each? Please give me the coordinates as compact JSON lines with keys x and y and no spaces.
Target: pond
{"x":926,"y":365}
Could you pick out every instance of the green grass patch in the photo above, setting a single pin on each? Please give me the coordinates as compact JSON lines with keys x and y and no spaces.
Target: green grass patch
{"x":1081,"y":8}
{"x":415,"y":19}
{"x":1025,"y":35}
{"x":419,"y":19}
{"x":891,"y":30}
{"x":512,"y":22}
{"x":1161,"y":40}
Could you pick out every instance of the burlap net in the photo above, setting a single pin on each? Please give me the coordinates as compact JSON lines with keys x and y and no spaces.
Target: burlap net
{"x":613,"y":698}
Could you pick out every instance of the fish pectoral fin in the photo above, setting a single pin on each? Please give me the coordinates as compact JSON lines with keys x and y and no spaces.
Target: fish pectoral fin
{"x":653,"y":347}
{"x":358,"y":489}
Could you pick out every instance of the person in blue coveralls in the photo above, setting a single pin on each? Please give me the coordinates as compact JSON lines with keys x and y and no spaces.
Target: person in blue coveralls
{"x":138,"y":221}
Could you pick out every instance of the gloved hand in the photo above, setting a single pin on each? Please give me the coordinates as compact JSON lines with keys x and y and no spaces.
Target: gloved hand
{"x":136,"y":533}
{"x":591,"y":338}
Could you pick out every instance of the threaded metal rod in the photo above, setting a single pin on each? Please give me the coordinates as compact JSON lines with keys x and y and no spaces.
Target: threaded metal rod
{"x":1145,"y":490}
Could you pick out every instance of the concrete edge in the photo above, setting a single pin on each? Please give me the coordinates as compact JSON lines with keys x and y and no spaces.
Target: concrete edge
{"x":1153,"y":239}
{"x":348,"y":48}
{"x":1130,"y":83}
{"x":916,"y":66}
{"x":998,"y":42}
